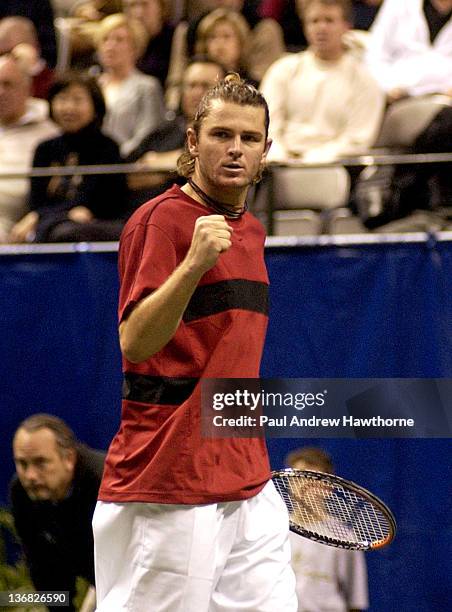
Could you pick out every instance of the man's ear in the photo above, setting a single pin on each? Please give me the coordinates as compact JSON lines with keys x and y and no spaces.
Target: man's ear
{"x":267,"y":147}
{"x":192,"y":142}
{"x":70,"y":458}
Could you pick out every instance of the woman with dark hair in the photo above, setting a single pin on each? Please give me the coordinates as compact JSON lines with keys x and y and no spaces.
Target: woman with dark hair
{"x":76,"y":207}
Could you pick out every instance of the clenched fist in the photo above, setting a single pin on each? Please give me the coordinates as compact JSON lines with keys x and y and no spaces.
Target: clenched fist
{"x":211,"y":237}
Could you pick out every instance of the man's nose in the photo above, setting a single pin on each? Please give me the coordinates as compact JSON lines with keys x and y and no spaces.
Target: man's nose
{"x":236,"y":146}
{"x":30,"y":472}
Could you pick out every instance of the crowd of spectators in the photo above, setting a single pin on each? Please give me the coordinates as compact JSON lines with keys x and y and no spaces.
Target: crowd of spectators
{"x":328,"y":68}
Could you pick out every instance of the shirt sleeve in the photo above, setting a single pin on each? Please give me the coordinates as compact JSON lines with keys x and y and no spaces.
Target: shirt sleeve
{"x":364,"y":118}
{"x":353,"y":579}
{"x":147,"y":257}
{"x":274,"y":88}
{"x":149,"y":114}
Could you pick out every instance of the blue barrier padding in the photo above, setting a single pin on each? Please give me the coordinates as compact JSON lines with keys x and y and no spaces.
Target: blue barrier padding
{"x":380,"y":309}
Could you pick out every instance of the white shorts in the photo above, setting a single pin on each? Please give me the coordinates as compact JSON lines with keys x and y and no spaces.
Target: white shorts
{"x":232,"y":556}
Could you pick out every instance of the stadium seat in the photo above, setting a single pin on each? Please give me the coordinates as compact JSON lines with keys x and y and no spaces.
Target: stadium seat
{"x":406,"y":119}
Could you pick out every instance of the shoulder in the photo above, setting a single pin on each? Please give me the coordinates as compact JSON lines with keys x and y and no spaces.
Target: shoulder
{"x":352,"y":64}
{"x":50,"y":144}
{"x":254,"y":223}
{"x":44,"y":130}
{"x":168,"y":137}
{"x":18,"y":497}
{"x":168,"y":128}
{"x":163,"y":210}
{"x":90,"y":462}
{"x":367,"y":84}
{"x":88,"y":475}
{"x":283,"y":67}
{"x":144,"y":81}
{"x":287,"y":61}
{"x":106,"y":143}
{"x":49,"y":150}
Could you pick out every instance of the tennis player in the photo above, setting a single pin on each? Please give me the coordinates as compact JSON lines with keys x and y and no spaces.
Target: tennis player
{"x":187,"y":523}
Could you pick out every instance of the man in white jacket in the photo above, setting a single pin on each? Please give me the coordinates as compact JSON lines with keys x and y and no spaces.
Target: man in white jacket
{"x":323,"y":102}
{"x":410,"y":47}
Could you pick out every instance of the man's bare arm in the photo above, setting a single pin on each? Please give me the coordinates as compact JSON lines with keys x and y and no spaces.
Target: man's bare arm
{"x":155,"y":319}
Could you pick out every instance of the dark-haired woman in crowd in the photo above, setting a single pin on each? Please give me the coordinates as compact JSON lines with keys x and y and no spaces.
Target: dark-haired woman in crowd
{"x":76,"y":207}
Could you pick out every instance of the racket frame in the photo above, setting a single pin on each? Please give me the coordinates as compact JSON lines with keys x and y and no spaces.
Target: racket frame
{"x":347,"y":484}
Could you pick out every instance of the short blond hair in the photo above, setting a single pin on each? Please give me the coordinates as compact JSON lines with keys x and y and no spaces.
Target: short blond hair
{"x":138,"y":34}
{"x":212,"y":19}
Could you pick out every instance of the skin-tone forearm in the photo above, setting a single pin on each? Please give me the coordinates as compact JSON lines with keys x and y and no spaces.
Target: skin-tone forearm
{"x":24,"y":227}
{"x":155,"y":319}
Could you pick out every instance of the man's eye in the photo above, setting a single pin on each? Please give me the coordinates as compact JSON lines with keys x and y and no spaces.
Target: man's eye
{"x":41,"y":462}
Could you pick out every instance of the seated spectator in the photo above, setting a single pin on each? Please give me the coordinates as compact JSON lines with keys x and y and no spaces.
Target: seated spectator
{"x":163,"y":147}
{"x":152,"y":14}
{"x":222,"y":36}
{"x":53,"y":496}
{"x":77,"y":207}
{"x":24,"y":122}
{"x":18,"y":36}
{"x":412,"y":197}
{"x":410,"y":48}
{"x":83,"y":24}
{"x":285,"y":13}
{"x":40,"y":12}
{"x":134,"y":100}
{"x":328,"y":578}
{"x":265,"y":43}
{"x":323,"y":103}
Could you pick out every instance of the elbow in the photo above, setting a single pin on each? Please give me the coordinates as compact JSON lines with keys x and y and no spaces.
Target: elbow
{"x":131,"y":352}
{"x":132,"y":356}
{"x":130,"y":349}
{"x":134,"y":350}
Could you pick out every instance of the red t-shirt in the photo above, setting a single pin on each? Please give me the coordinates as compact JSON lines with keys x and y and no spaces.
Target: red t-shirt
{"x":159,"y":454}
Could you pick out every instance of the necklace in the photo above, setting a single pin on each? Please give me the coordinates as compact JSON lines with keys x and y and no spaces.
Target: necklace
{"x":218,"y":207}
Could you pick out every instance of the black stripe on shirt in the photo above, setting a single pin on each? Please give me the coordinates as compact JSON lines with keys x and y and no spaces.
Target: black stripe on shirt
{"x":225,"y":295}
{"x":157,"y":389}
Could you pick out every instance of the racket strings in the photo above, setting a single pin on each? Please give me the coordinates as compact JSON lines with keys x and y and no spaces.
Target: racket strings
{"x":331,"y":511}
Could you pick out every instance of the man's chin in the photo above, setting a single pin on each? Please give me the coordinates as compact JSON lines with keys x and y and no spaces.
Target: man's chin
{"x":39,"y":494}
{"x":235,"y":182}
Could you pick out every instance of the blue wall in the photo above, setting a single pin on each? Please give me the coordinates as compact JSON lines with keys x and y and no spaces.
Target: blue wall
{"x":377,"y":310}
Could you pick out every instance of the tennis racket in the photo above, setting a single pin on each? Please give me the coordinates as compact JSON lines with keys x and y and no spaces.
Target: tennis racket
{"x":334,"y":511}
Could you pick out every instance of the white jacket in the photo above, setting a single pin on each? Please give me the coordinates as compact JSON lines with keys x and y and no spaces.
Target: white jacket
{"x":400,"y":54}
{"x":321,"y":110}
